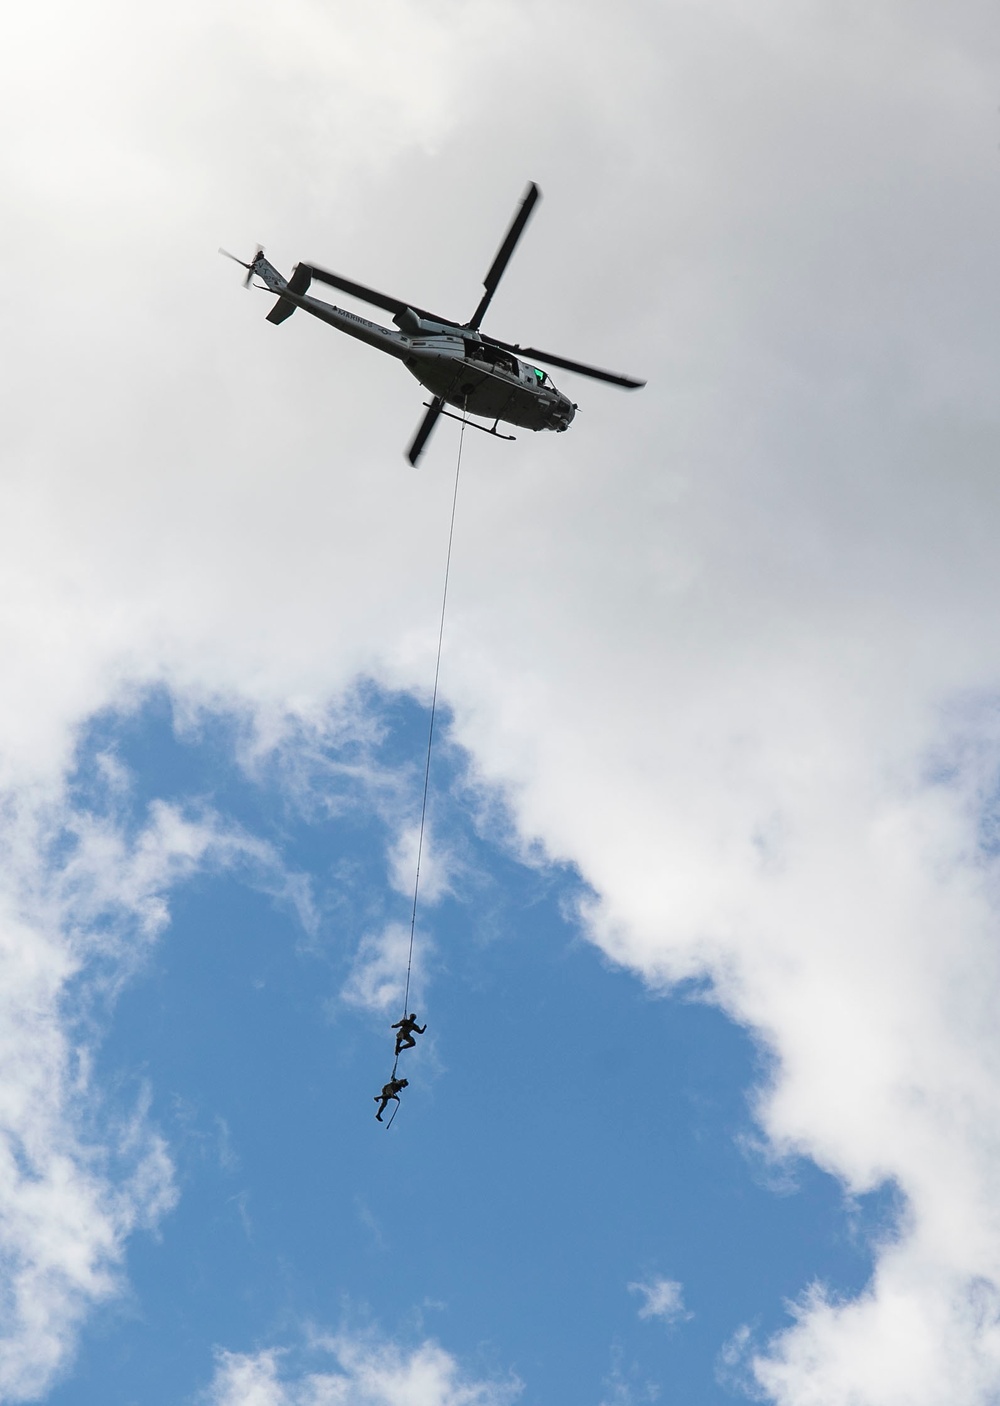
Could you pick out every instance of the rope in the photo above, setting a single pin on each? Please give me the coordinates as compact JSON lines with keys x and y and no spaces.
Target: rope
{"x":430,"y":730}
{"x":430,"y":744}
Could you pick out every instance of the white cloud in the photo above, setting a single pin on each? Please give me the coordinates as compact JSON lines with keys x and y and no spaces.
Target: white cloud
{"x":435,"y":865}
{"x":664,"y":1298}
{"x":378,"y":976}
{"x":733,"y":1367}
{"x":362,"y":1373}
{"x":625,"y":1385}
{"x":82,"y":896}
{"x":74,"y":1183}
{"x":248,"y":1379}
{"x":916,"y":1335}
{"x":706,"y":641}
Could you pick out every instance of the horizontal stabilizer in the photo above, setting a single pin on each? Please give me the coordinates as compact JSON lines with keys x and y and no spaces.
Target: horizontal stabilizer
{"x":297,"y":284}
{"x":282,"y":309}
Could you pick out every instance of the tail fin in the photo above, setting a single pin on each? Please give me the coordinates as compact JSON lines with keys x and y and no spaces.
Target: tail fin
{"x":297,"y":284}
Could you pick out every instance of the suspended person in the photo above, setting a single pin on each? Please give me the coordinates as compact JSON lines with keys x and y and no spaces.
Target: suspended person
{"x":406,"y":1027}
{"x":390,"y":1090}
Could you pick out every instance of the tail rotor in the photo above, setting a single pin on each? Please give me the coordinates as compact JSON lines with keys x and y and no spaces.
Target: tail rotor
{"x":249,"y":267}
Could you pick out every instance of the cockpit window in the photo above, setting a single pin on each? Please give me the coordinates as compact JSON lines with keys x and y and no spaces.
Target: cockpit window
{"x":492,"y":356}
{"x":541,"y":377}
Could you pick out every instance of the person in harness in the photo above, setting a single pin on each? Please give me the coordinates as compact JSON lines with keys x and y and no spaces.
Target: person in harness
{"x":389,"y":1091}
{"x":406,"y":1028}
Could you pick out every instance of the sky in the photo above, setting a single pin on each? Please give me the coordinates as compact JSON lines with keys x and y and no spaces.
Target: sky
{"x":706,"y":1108}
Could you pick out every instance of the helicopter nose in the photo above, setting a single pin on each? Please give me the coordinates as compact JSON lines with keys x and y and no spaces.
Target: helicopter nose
{"x":565,"y":412}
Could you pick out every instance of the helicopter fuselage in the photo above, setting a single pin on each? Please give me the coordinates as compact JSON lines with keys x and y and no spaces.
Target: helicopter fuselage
{"x":454,"y":363}
{"x":484,"y":381}
{"x":459,"y":364}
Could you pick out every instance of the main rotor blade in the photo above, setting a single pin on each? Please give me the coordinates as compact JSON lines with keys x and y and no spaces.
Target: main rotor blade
{"x":504,"y":252}
{"x":629,"y":382}
{"x":369,"y":295}
{"x":423,"y":434}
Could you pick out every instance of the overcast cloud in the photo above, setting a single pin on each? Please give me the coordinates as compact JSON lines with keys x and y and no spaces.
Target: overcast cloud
{"x":730,"y":645}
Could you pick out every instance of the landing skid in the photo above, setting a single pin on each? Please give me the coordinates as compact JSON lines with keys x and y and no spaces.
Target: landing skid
{"x":472,"y":424}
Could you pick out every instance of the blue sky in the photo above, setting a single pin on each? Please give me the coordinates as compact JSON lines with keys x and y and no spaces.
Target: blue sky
{"x":567,"y":1133}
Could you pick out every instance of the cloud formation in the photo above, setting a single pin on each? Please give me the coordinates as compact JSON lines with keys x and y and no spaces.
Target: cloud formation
{"x":663,"y":1298}
{"x":76,"y":1178}
{"x":361,"y":1373}
{"x":83,"y":895}
{"x":729,"y":646}
{"x":378,"y":975}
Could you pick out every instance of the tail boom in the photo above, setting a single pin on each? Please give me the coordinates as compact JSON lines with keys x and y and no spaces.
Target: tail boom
{"x":293,"y":293}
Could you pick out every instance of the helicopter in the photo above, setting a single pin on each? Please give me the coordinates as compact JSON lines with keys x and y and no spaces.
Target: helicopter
{"x":459,"y":364}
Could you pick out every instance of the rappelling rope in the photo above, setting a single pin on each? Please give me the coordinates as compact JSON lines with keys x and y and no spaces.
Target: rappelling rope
{"x":430,"y":730}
